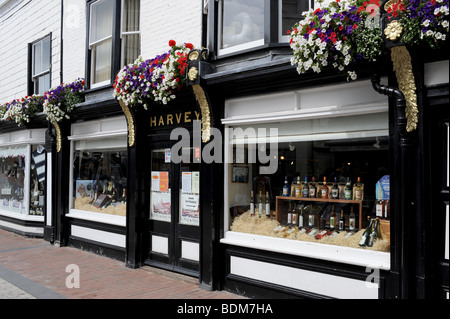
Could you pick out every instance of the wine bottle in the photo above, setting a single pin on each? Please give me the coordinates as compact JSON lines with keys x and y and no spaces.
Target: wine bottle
{"x":379,"y":211}
{"x":352,"y":220}
{"x":335,"y":190}
{"x":289,"y":215}
{"x":342,"y":221}
{"x":373,"y":234}
{"x":311,"y":218}
{"x":305,"y":191}
{"x":366,"y":235}
{"x":261,"y":207}
{"x":359,"y":191}
{"x":294,"y":216}
{"x":348,"y":190}
{"x":324,"y":193}
{"x":286,"y":187}
{"x":332,"y":219}
{"x":267,"y":205}
{"x":312,"y":189}
{"x":300,"y":218}
{"x":252,"y":205}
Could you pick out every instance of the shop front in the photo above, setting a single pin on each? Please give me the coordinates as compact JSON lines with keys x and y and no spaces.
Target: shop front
{"x":23,"y":174}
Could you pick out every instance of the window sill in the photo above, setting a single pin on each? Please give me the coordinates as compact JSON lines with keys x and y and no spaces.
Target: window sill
{"x":98,"y":217}
{"x":19,"y":216}
{"x":339,"y":254}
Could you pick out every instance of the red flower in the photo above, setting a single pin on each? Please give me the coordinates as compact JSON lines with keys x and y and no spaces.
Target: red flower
{"x":172,"y":43}
{"x":190,"y":46}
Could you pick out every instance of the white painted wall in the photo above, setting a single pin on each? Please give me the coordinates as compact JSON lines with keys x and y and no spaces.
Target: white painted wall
{"x":23,"y":22}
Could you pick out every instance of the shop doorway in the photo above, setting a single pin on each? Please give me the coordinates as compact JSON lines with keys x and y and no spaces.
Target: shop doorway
{"x":174,"y":223}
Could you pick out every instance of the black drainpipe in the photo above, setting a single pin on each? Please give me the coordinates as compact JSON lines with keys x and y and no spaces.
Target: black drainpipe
{"x":401,"y":189}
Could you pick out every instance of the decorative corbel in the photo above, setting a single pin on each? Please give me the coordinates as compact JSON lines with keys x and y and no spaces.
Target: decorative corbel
{"x":130,"y":121}
{"x":392,"y":30}
{"x":58,"y":136}
{"x":196,"y":62}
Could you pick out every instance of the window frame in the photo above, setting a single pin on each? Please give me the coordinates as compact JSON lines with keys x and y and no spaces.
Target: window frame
{"x":31,"y":65}
{"x":284,"y":38}
{"x":127,"y":33}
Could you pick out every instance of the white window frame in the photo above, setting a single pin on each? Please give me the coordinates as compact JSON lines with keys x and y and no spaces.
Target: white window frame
{"x":124,"y":34}
{"x":35,"y":77}
{"x":95,"y":44}
{"x":112,"y":127}
{"x":236,"y":48}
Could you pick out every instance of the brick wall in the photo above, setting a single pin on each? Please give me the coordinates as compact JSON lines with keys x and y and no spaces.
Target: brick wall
{"x":23,"y":22}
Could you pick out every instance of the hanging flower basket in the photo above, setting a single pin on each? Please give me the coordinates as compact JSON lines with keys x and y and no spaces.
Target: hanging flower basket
{"x":155,"y":80}
{"x":348,"y":31}
{"x":60,"y":101}
{"x":21,"y":110}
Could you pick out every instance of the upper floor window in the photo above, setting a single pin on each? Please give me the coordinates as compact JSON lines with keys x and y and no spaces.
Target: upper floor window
{"x":105,"y":32}
{"x":246,"y":24}
{"x":131,"y":37}
{"x":40,"y":60}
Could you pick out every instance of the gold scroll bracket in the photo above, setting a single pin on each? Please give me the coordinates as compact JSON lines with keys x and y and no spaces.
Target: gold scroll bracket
{"x":130,"y":121}
{"x":58,"y":136}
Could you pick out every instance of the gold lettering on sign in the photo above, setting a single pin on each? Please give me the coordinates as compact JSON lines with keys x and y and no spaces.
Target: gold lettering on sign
{"x":175,"y":118}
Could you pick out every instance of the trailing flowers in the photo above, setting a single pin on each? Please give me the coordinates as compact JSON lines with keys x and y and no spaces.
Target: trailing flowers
{"x":60,"y":101}
{"x":21,"y":110}
{"x":348,"y":31}
{"x":154,"y":80}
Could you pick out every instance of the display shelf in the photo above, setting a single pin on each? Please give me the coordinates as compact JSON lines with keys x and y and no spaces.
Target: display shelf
{"x":279,"y":199}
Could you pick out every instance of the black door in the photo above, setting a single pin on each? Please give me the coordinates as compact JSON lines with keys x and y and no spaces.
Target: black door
{"x":174,"y":232}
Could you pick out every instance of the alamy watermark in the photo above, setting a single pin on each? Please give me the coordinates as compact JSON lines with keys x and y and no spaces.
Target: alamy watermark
{"x":261,"y":145}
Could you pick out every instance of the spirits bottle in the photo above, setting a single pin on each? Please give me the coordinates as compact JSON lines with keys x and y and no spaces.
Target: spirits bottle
{"x":352,"y":220}
{"x":311,"y":218}
{"x":305,"y":191}
{"x":267,"y":205}
{"x":324,"y":193}
{"x":294,"y":217}
{"x":366,"y":235}
{"x":312,"y":189}
{"x":298,"y":188}
{"x":286,"y":187}
{"x":373,"y":234}
{"x":359,"y":191}
{"x":348,"y":190}
{"x":289,"y":215}
{"x":342,"y":221}
{"x":252,"y":205}
{"x":261,"y":207}
{"x":386,"y":209}
{"x":379,"y":212}
{"x":332,"y":219}
{"x":335,"y":190}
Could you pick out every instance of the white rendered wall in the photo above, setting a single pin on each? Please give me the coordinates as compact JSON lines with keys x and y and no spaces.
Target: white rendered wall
{"x":23,"y":22}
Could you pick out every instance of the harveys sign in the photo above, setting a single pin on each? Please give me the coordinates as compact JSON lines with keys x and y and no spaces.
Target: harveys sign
{"x":174,"y":119}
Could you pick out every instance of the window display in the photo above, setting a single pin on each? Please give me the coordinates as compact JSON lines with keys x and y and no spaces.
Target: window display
{"x":100,"y":175}
{"x":327,"y":189}
{"x":12,"y":179}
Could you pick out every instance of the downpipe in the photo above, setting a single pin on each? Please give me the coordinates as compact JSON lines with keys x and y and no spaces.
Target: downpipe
{"x":403,"y":190}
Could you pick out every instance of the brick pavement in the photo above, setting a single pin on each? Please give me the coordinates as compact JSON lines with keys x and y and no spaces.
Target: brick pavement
{"x":40,"y":268}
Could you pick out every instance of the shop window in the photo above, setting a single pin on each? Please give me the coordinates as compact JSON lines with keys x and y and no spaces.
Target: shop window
{"x":100,"y":175}
{"x":329,"y":185}
{"x":22,"y":179}
{"x":102,"y":36}
{"x":41,"y":61}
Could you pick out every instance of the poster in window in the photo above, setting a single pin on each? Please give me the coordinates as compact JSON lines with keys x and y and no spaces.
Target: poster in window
{"x":190,"y":209}
{"x":161,"y":201}
{"x":240,"y":174}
